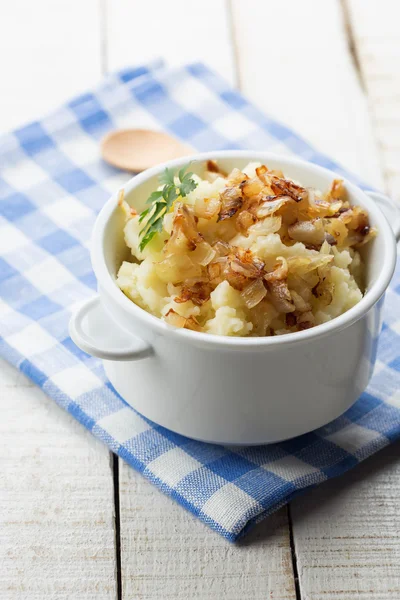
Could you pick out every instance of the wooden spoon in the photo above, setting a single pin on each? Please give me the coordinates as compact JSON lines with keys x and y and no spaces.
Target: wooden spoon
{"x":138,"y":149}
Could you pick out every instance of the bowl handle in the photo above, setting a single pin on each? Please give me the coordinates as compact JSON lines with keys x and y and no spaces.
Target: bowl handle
{"x":93,"y":332}
{"x":390,"y":209}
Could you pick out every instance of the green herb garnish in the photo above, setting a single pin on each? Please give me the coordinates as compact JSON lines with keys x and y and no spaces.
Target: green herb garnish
{"x":162,"y":200}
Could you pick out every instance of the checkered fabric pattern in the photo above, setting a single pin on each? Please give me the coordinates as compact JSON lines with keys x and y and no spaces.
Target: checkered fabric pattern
{"x":52,"y":184}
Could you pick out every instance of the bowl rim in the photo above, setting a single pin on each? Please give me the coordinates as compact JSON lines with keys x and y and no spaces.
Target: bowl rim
{"x":107,"y":283}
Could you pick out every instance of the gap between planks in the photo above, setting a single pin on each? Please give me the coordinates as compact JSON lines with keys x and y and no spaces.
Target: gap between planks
{"x":238,"y":81}
{"x":202,"y":564}
{"x":115,"y":467}
{"x":351,"y":42}
{"x":104,"y":46}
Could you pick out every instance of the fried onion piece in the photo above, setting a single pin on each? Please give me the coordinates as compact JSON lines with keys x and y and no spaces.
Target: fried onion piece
{"x":207,"y":208}
{"x":198,"y":292}
{"x":285,"y":187}
{"x":184,"y":236}
{"x":309,"y":232}
{"x":213,"y":167}
{"x":253,"y":293}
{"x":128,"y":211}
{"x":280,"y":296}
{"x":252,"y":188}
{"x":280,"y":271}
{"x":244,"y":221}
{"x":172,"y":318}
{"x":269,"y":205}
{"x":337,"y":190}
{"x":237,"y":177}
{"x":231,"y":201}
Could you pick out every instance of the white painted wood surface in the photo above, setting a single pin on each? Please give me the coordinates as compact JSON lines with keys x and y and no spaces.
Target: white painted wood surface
{"x":377,"y":41}
{"x":167,"y":553}
{"x":347,"y":533}
{"x":293,"y":59}
{"x":180,"y":31}
{"x":57,"y":537}
{"x":49,"y":52}
{"x":306,"y":78}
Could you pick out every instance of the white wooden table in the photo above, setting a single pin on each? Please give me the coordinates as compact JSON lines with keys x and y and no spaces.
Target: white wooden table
{"x":75,"y":522}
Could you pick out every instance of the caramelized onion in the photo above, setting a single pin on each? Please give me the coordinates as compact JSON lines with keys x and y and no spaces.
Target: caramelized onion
{"x":338,"y":230}
{"x":305,"y":264}
{"x":280,"y":270}
{"x":188,"y":224}
{"x":203,"y":254}
{"x":221,"y":248}
{"x":177,"y":243}
{"x":193,"y":324}
{"x":184,"y":235}
{"x":270,"y":205}
{"x":261,"y":171}
{"x":252,"y":188}
{"x":221,"y":259}
{"x":285,"y":187}
{"x":254,"y":293}
{"x":231,"y":201}
{"x":198,"y":292}
{"x":213,"y":167}
{"x":335,"y":208}
{"x":337,"y":190}
{"x":176,"y":268}
{"x":236,"y":280}
{"x":214,"y":272}
{"x":280,"y":296}
{"x":368,"y":236}
{"x":208,"y":208}
{"x":246,"y":264}
{"x":318,"y":207}
{"x":246,"y":269}
{"x":172,"y":318}
{"x":266,"y":226}
{"x":308,"y":232}
{"x":128,"y":211}
{"x":244,"y":221}
{"x":237,"y":177}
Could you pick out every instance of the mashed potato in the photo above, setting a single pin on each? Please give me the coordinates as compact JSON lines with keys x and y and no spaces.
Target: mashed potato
{"x":248,"y":254}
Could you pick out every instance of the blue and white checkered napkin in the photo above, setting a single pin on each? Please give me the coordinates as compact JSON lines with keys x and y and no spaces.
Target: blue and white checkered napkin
{"x":52,"y":183}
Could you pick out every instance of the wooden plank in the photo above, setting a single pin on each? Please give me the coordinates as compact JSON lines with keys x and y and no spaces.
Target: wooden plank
{"x":179,"y":31}
{"x":294,"y":63}
{"x":375,"y":26}
{"x":57,"y":493}
{"x":347,"y":533}
{"x":56,"y":500}
{"x":49,"y":51}
{"x":167,"y":553}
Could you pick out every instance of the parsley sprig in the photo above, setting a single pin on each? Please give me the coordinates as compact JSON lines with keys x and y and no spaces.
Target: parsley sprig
{"x":161,"y":201}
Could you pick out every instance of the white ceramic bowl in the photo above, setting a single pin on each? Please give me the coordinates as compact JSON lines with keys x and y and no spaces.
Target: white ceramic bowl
{"x":234,"y":390}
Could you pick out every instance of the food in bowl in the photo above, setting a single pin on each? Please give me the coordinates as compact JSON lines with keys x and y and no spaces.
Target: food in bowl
{"x":245,"y":253}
